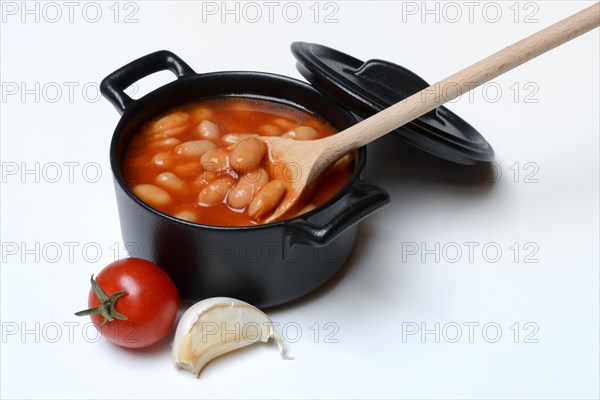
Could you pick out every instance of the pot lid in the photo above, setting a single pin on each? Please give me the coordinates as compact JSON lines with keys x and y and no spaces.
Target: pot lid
{"x":366,"y":88}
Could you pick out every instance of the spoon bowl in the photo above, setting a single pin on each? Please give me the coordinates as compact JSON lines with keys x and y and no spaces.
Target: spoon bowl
{"x":297,"y":163}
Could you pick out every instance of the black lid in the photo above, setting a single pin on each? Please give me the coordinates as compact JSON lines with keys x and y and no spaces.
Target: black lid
{"x":366,"y":88}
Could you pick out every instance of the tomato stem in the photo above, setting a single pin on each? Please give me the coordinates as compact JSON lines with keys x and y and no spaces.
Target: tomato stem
{"x":107,"y":306}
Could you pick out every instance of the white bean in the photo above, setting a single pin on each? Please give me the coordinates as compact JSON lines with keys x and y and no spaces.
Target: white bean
{"x":284,"y":123}
{"x":302,"y":133}
{"x":215,"y":160}
{"x":170,"y":121}
{"x":241,"y":195}
{"x":170,"y":182}
{"x":188,"y":169}
{"x":266,"y":199}
{"x":194,"y":148}
{"x":215,"y":192}
{"x":206,"y":177}
{"x":152,"y":195}
{"x":163,"y":144}
{"x":208,"y":130}
{"x":235,"y":138}
{"x":269,"y":130}
{"x":247,"y":154}
{"x":257,"y":177}
{"x":186,"y":215}
{"x":201,"y":113}
{"x":243,"y":192}
{"x":169,"y":133}
{"x":162,"y":159}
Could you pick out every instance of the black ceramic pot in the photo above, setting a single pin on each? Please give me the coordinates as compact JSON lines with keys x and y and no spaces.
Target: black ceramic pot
{"x":265,"y":265}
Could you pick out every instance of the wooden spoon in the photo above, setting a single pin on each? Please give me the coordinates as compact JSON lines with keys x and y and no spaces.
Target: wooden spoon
{"x":308,"y":159}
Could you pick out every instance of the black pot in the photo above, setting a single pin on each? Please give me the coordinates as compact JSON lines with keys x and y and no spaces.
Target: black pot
{"x":265,"y":265}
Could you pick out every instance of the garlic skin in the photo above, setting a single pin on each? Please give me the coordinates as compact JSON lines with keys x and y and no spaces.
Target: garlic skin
{"x":216,"y":326}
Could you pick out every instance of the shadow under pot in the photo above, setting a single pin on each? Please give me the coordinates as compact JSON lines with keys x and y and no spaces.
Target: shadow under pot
{"x":265,"y":265}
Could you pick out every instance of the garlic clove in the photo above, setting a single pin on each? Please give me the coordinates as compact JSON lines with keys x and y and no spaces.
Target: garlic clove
{"x":216,"y":326}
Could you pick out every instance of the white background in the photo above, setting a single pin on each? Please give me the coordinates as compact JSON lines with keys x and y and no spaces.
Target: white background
{"x":547,"y":204}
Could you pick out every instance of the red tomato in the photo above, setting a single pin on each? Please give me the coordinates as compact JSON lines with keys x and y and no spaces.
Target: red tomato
{"x":150,"y":303}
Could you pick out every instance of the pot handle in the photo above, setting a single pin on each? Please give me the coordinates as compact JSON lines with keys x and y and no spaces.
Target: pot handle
{"x":359,"y":202}
{"x":112,"y":87}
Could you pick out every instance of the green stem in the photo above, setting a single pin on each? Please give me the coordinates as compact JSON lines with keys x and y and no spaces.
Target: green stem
{"x":107,"y":306}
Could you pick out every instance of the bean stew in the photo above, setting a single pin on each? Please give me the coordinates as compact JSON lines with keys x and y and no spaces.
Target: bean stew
{"x":203,"y":162}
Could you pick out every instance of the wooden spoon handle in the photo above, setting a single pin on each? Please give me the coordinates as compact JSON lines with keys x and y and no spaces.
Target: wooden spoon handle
{"x":469,"y":78}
